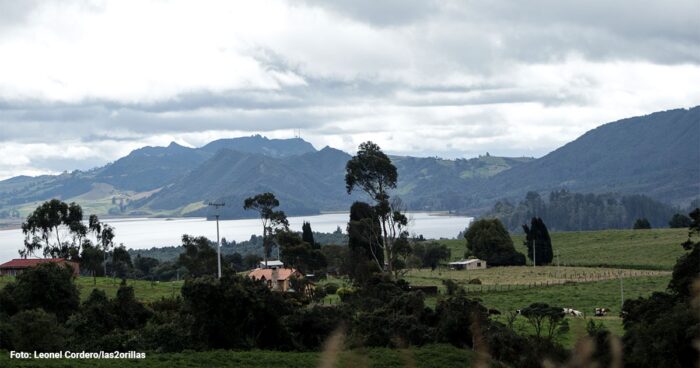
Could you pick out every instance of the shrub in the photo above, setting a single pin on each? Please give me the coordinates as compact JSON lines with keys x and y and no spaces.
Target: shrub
{"x":641,"y":224}
{"x":35,"y":329}
{"x":474,"y":282}
{"x":345,"y":293}
{"x":331,"y":288}
{"x":47,"y":286}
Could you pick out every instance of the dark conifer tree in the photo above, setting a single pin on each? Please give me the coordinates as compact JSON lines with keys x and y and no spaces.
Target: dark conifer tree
{"x":307,"y":235}
{"x":537,"y":236}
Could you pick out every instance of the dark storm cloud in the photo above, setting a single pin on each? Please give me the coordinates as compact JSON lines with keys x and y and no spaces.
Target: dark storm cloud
{"x":546,"y":30}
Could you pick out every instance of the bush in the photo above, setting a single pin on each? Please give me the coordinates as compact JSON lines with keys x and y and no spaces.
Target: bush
{"x":345,"y":293}
{"x":310,"y":327}
{"x":679,"y":221}
{"x":35,"y":329}
{"x":474,"y":282}
{"x":642,"y":224}
{"x":47,"y":286}
{"x":331,"y":288}
{"x":168,"y":337}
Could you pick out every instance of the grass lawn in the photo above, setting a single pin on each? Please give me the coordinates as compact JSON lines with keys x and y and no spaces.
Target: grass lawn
{"x":580,"y":296}
{"x":577,"y":327}
{"x":523,"y":275}
{"x":583,"y":296}
{"x":144,"y":290}
{"x":430,"y":356}
{"x":655,"y":249}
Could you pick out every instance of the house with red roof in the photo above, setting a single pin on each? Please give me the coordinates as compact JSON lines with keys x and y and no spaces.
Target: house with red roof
{"x":19,"y":265}
{"x":276,"y":279}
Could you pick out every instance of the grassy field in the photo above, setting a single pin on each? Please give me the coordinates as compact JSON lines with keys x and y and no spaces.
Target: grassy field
{"x":430,"y":356}
{"x":144,"y":290}
{"x":524,"y":275}
{"x":585,"y":297}
{"x":580,"y":296}
{"x":655,"y":249}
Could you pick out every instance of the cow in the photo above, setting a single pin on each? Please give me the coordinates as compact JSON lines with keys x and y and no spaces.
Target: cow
{"x":572,"y":312}
{"x":601,"y":312}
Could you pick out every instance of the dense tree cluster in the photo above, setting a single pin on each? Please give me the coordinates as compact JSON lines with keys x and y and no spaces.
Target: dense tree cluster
{"x":382,"y":313}
{"x":679,"y":221}
{"x":567,"y":211}
{"x":671,"y":315}
{"x":487,"y":239}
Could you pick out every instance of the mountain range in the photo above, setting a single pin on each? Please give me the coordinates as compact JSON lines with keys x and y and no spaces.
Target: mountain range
{"x":657,"y":155}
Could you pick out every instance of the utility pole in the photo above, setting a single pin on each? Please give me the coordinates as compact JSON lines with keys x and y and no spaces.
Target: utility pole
{"x":534,"y":251}
{"x":218,"y":242}
{"x":622,"y":292}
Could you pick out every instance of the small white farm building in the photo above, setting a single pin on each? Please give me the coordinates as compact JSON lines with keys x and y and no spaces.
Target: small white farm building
{"x":468,"y":264}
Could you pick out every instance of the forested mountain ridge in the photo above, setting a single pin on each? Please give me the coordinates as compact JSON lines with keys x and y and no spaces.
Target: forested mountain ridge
{"x":656,"y":155}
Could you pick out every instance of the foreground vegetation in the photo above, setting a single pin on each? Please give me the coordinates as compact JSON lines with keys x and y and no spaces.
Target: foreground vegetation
{"x":429,"y":356}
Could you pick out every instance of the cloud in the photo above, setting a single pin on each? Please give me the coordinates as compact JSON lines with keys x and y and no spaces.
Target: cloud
{"x":453,"y":78}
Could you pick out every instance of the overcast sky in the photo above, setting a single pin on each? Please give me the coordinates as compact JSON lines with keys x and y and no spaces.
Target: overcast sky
{"x":84,"y":83}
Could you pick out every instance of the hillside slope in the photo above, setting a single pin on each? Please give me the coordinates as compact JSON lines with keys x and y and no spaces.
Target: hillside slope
{"x":657,"y":155}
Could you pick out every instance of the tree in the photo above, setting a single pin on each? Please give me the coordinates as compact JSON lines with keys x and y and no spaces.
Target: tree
{"x":47,"y":286}
{"x":641,"y":224}
{"x":431,"y":253}
{"x":371,"y":171}
{"x":43,"y":228}
{"x":91,"y":259}
{"x":299,"y":254}
{"x":679,"y":221}
{"x":145,"y":264}
{"x":487,"y":239}
{"x":121,"y":261}
{"x":660,"y":329}
{"x":272,"y":220}
{"x":105,"y":238}
{"x":687,"y":268}
{"x":308,"y":236}
{"x":538,"y":242}
{"x":129,"y":312}
{"x":199,"y":257}
{"x":545,"y":320}
{"x":251,"y":261}
{"x":36,"y":330}
{"x":366,"y":253}
{"x":218,"y":307}
{"x":234,"y":261}
{"x":337,"y":258}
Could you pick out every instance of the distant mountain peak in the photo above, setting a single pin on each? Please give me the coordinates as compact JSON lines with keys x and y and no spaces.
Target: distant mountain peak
{"x":262,"y":145}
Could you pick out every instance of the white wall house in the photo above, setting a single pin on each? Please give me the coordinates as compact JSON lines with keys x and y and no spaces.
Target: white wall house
{"x":468,"y":264}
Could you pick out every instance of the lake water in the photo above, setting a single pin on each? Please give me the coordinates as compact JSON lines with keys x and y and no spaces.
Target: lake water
{"x":139,"y":233}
